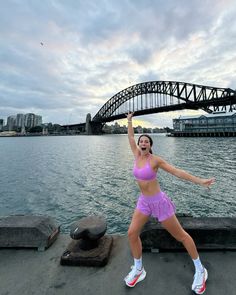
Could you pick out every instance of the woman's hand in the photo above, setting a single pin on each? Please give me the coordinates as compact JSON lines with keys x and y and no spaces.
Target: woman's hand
{"x":207,"y":182}
{"x":129,"y":116}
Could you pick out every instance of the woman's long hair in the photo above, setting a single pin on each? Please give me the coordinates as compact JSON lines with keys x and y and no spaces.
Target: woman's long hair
{"x":150,"y":139}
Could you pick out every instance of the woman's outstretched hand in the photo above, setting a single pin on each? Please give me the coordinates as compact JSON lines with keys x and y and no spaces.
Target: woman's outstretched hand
{"x":129,"y":116}
{"x":207,"y":182}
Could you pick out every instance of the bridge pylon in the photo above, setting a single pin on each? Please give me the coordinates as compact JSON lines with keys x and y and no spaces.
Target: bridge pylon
{"x":88,"y":128}
{"x":92,"y":128}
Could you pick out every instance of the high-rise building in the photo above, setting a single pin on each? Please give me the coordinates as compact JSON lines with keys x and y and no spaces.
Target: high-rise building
{"x":29,"y":120}
{"x":32,"y":120}
{"x":38,"y":120}
{"x":11,"y":122}
{"x":20,"y":120}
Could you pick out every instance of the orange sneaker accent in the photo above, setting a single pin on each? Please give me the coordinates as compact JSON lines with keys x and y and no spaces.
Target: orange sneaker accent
{"x":134,"y":277}
{"x":135,"y":280}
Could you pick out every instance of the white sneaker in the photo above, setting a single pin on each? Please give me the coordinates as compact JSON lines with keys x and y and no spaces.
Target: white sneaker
{"x":199,"y":281}
{"x":135,"y":276}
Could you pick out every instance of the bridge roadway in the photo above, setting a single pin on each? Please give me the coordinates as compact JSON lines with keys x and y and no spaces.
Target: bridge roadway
{"x":29,"y":272}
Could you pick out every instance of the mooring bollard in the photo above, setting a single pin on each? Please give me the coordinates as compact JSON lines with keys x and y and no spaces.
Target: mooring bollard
{"x":89,"y":246}
{"x":88,"y":231}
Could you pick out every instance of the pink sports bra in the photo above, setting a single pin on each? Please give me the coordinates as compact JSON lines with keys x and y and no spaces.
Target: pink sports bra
{"x":144,"y":173}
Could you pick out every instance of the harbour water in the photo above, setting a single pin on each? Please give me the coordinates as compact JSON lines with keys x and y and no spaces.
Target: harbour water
{"x":69,"y":177}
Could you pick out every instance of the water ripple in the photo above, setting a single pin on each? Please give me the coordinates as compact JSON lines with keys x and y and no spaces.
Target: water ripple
{"x":72,"y":177}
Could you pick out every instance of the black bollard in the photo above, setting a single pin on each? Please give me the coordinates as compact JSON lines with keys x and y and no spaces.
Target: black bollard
{"x":88,"y":230}
{"x":90,"y":246}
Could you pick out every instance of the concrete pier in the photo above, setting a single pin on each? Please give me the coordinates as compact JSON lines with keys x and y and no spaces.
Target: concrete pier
{"x":28,"y":231}
{"x":27,"y":272}
{"x":209,"y":233}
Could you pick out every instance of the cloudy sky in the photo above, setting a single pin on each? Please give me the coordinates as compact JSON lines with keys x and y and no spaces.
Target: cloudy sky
{"x":64,"y":59}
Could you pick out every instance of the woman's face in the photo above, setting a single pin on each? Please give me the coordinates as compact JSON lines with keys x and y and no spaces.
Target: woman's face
{"x":144,"y":145}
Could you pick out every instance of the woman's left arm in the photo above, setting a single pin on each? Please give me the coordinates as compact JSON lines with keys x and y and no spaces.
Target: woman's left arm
{"x":183,"y":174}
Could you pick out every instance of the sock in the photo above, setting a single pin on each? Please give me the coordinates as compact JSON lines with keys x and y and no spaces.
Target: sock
{"x":198,"y":265}
{"x":138,"y":263}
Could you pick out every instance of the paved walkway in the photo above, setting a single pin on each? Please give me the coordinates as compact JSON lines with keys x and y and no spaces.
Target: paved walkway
{"x":29,"y":272}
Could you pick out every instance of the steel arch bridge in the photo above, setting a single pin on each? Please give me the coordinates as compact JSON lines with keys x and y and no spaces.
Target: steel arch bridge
{"x":163,"y":96}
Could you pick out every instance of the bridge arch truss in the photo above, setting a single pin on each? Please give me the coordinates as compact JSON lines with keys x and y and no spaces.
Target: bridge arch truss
{"x":162,"y":96}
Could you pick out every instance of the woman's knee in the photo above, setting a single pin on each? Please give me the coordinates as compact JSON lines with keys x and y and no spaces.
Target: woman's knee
{"x":132,"y":233}
{"x":184,"y":237}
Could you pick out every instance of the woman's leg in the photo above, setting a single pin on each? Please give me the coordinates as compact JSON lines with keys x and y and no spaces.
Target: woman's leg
{"x":137,"y":223}
{"x":137,"y":274}
{"x":173,"y":226}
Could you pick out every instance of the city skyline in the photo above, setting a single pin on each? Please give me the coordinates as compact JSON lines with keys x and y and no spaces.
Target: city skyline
{"x":66,"y":59}
{"x":21,"y":121}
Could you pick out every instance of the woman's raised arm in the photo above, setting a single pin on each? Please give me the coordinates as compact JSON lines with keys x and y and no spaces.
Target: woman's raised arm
{"x":132,"y":142}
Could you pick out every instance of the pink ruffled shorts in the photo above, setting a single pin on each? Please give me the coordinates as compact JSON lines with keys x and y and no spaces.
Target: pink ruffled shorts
{"x":159,"y":206}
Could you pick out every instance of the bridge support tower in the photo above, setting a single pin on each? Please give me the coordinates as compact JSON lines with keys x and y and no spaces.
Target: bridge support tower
{"x":88,"y":127}
{"x":92,"y":128}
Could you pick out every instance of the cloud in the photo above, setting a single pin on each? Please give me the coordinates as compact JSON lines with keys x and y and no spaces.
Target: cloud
{"x":91,"y":50}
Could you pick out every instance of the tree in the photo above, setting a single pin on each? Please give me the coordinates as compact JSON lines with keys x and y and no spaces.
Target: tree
{"x":36,"y":129}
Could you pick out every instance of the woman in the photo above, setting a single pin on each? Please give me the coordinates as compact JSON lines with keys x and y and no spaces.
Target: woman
{"x":153,"y":201}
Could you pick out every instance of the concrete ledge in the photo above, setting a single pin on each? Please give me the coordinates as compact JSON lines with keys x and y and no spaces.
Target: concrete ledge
{"x":28,"y":231}
{"x":209,"y":233}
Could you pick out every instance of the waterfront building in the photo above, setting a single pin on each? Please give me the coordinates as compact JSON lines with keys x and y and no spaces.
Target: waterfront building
{"x":215,"y":124}
{"x":1,"y":124}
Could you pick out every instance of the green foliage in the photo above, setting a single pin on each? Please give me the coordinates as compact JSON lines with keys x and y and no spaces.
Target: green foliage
{"x":36,"y":129}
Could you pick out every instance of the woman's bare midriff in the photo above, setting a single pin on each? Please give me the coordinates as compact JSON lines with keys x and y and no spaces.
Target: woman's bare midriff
{"x":149,"y":187}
